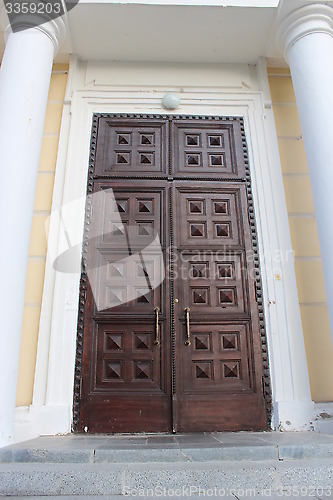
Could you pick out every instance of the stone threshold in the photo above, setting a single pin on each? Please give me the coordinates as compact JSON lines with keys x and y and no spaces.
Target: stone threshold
{"x":181,"y":448}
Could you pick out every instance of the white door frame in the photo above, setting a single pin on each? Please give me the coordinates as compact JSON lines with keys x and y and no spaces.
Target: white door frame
{"x":51,"y":411}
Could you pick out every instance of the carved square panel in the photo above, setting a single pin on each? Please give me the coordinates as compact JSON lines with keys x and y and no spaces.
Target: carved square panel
{"x":147,"y":158}
{"x":200,"y":296}
{"x":229,"y":341}
{"x":219,"y":222}
{"x":145,"y":206}
{"x":118,"y":229}
{"x":193,"y":159}
{"x":113,"y":341}
{"x":123,"y":158}
{"x":216,"y":160}
{"x":113,"y":370}
{"x":206,"y":148}
{"x":227,"y":296}
{"x":215,"y":141}
{"x":143,"y":370}
{"x":142,"y":341}
{"x":199,"y":270}
{"x":225,"y":271}
{"x":192,"y":140}
{"x":147,"y":139}
{"x":143,"y":296}
{"x":145,"y":228}
{"x":202,"y":341}
{"x":132,"y":146}
{"x":124,"y":139}
{"x":144,"y":270}
{"x":117,"y":270}
{"x":121,"y":206}
{"x":115,"y":296}
{"x":203,"y":370}
{"x":222,"y":230}
{"x":231,"y":369}
{"x":221,"y":207}
{"x":198,"y":230}
{"x":196,"y":206}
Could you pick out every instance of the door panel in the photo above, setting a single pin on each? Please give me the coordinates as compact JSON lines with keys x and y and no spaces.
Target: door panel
{"x":212,"y":217}
{"x":135,"y":148}
{"x":172,"y":339}
{"x":212,"y":282}
{"x":211,"y":149}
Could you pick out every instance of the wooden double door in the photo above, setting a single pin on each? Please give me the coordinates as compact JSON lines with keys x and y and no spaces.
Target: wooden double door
{"x":172,"y":339}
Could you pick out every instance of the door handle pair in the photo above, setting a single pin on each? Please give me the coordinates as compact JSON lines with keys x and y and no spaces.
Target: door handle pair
{"x":187,"y":322}
{"x":157,"y":326}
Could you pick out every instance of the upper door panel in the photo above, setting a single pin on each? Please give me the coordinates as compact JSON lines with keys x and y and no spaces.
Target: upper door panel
{"x":212,"y":150}
{"x":136,"y":148}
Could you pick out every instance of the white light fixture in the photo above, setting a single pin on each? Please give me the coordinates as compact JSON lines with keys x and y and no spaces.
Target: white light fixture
{"x":170,"y":101}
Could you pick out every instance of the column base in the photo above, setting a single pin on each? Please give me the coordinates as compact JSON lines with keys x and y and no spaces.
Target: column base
{"x":294,"y":416}
{"x":39,"y":420}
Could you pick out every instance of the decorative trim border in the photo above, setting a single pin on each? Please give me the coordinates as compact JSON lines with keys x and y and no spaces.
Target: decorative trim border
{"x":258,"y":283}
{"x":83,"y":280}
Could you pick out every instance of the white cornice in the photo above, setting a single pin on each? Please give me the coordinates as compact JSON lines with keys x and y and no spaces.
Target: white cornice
{"x":315,"y":18}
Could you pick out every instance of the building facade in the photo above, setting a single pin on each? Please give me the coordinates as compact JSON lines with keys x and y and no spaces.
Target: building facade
{"x":245,"y":154}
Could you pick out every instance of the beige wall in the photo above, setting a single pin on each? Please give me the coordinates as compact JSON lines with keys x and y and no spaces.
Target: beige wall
{"x":303,"y":228}
{"x":37,"y":252}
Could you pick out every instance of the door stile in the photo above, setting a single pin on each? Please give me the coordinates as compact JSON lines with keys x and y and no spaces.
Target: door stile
{"x":173,"y":300}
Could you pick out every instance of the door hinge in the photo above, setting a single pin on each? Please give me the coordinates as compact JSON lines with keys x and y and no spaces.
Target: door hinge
{"x":80,"y":393}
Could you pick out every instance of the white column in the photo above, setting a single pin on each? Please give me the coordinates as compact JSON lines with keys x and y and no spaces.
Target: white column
{"x":24,"y":83}
{"x":306,"y":36}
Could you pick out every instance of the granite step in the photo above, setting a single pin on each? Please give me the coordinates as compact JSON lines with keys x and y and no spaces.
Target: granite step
{"x":208,"y":447}
{"x":311,"y":478}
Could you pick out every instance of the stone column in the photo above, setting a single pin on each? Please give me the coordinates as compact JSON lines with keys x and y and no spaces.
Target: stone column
{"x":24,"y":84}
{"x":306,"y":37}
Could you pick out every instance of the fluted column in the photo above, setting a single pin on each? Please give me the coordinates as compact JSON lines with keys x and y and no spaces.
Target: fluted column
{"x":24,"y":84}
{"x":306,"y":37}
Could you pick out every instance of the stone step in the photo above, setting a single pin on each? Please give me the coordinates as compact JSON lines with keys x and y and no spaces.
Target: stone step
{"x":169,"y":448}
{"x":265,"y":464}
{"x":311,"y":478}
{"x":166,"y":455}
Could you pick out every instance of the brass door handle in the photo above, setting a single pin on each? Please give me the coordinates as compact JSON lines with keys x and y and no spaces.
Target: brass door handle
{"x":188,"y":333}
{"x":157,"y":326}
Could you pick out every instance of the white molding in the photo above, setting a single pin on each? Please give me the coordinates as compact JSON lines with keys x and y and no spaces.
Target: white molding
{"x":56,"y":347}
{"x":289,"y":352}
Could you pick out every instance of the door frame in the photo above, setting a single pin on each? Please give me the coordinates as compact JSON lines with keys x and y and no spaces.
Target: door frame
{"x":51,"y":411}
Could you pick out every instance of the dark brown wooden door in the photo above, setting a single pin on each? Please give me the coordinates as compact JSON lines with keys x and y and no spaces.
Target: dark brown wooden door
{"x":216,"y":312}
{"x":172,"y":338}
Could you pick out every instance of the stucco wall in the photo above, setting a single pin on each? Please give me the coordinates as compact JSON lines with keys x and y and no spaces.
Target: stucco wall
{"x":37,"y":251}
{"x":304,"y":236}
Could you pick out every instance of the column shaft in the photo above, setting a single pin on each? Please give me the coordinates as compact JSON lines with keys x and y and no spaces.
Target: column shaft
{"x":311,"y":64}
{"x":24,"y":83}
